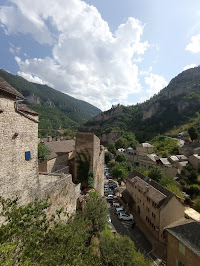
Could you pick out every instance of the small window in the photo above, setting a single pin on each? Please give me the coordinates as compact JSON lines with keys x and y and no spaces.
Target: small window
{"x":27,"y":155}
{"x":181,"y":248}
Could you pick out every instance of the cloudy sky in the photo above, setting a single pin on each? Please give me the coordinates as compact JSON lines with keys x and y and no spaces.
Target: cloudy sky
{"x":101,"y":51}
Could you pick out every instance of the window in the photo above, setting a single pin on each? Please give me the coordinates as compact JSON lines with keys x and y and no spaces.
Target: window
{"x":153,"y":215}
{"x":179,"y":263}
{"x":154,"y":204}
{"x":27,"y":155}
{"x":181,"y":248}
{"x":147,"y":209}
{"x":148,"y":199}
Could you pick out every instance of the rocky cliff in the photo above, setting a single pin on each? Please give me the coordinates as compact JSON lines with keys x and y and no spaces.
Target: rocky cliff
{"x":172,"y":106}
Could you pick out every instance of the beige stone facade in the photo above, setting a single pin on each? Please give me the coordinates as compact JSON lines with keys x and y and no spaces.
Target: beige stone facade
{"x":19,"y":136}
{"x":145,"y":148}
{"x":157,"y":206}
{"x":183,"y":246}
{"x":88,"y":142}
{"x":195,"y":161}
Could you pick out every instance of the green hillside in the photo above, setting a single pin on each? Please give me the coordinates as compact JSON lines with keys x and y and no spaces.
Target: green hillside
{"x":174,"y":106}
{"x":56,"y":110}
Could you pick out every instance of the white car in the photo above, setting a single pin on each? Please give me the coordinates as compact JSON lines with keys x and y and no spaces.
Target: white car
{"x":125,"y":216}
{"x":120,"y":209}
{"x":116,"y":205}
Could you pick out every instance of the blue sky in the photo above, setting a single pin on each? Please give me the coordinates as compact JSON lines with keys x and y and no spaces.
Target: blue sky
{"x":103,"y":52}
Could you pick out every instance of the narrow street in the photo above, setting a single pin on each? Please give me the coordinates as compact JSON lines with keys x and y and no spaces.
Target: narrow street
{"x":124,"y":228}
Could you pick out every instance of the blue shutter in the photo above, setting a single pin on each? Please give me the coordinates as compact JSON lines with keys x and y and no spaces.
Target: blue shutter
{"x":27,"y":155}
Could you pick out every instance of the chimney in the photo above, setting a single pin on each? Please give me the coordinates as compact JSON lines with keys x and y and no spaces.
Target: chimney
{"x":57,"y":138}
{"x":49,"y":139}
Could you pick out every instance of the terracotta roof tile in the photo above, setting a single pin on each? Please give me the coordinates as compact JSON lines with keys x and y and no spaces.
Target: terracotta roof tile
{"x":5,"y":86}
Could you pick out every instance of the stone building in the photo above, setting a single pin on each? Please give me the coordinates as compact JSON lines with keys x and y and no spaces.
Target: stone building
{"x":157,"y":206}
{"x":195,"y":161}
{"x":61,"y":152}
{"x":18,"y":146}
{"x":145,"y":148}
{"x":19,"y":175}
{"x":183,"y":244}
{"x":90,"y":144}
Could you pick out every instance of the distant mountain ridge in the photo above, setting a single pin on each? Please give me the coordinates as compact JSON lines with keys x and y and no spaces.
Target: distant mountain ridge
{"x":56,"y":109}
{"x":172,"y":106}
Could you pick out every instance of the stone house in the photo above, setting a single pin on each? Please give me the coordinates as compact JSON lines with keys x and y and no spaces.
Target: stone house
{"x":156,"y":206}
{"x":129,"y":153}
{"x":195,"y":161}
{"x":19,"y":175}
{"x":145,"y":148}
{"x":61,"y":152}
{"x":18,"y":145}
{"x":183,"y":244}
{"x":168,"y":168}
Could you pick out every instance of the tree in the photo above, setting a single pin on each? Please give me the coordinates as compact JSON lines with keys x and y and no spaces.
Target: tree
{"x":192,"y":131}
{"x":119,"y":250}
{"x":112,"y":148}
{"x":197,"y":204}
{"x":121,"y":143}
{"x":120,"y":158}
{"x":95,"y":211}
{"x":43,"y":152}
{"x":108,"y":156}
{"x":119,"y":172}
{"x":156,"y":173}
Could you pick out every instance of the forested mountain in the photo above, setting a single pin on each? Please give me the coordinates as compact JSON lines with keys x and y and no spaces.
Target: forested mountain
{"x":56,"y":109}
{"x":173,"y":106}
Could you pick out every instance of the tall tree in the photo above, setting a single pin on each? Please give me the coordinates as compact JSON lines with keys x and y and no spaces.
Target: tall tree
{"x":192,"y":131}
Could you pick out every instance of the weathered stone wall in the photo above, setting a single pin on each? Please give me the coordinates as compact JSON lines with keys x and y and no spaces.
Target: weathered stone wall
{"x":19,"y":134}
{"x":173,"y":253}
{"x":57,"y":163}
{"x":61,"y":192}
{"x":88,"y":142}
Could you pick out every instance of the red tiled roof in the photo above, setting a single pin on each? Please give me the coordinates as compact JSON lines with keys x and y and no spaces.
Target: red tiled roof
{"x":5,"y":86}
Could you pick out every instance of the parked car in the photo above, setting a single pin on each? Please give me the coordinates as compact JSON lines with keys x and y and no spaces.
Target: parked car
{"x":110,"y":180}
{"x":125,"y":216}
{"x":112,"y":185}
{"x":108,"y":192}
{"x":120,"y":209}
{"x":116,"y":205}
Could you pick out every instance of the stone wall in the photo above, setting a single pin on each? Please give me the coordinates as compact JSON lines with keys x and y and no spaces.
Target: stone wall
{"x":61,"y":192}
{"x":18,"y":177}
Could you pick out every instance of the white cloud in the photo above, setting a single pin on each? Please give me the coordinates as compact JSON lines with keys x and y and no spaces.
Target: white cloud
{"x":194,"y":45}
{"x":13,"y":49}
{"x":88,"y":61}
{"x":31,"y":78}
{"x":155,"y":84}
{"x":189,"y":66}
{"x":15,"y":21}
